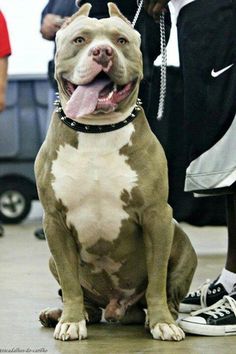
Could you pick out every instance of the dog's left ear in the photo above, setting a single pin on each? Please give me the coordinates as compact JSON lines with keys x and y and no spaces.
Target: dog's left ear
{"x":114,"y":11}
{"x":84,"y":10}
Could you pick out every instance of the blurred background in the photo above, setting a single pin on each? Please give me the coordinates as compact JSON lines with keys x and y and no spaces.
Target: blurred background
{"x":23,"y":123}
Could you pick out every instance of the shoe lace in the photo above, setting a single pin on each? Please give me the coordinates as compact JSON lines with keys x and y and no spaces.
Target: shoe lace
{"x":220,"y":308}
{"x":202,"y":292}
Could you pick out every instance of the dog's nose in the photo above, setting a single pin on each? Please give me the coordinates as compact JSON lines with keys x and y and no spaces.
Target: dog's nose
{"x":102,"y":54}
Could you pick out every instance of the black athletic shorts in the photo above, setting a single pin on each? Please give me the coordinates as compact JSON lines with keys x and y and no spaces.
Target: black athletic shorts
{"x":207,"y":46}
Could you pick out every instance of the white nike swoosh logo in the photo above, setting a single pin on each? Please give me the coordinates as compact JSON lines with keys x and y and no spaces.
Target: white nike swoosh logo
{"x":218,"y":73}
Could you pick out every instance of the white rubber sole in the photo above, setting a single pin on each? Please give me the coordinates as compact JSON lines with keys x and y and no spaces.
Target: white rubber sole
{"x":185,"y":308}
{"x":207,"y":330}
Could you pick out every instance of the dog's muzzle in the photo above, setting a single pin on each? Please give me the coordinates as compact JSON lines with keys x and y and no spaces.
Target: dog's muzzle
{"x":100,"y":95}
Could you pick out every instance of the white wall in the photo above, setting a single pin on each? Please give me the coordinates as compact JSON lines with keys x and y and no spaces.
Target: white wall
{"x":30,"y":52}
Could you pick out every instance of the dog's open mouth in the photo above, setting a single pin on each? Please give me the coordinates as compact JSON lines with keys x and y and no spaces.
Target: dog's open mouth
{"x":100,"y":95}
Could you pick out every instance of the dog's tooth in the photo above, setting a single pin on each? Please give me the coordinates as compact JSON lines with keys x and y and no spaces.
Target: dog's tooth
{"x":115,"y":87}
{"x":110,"y":95}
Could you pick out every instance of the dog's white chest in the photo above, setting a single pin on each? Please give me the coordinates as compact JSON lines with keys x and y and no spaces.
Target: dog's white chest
{"x":89,"y":181}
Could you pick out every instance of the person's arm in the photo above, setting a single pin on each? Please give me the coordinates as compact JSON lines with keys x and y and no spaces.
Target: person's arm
{"x":53,"y":16}
{"x":155,"y":7}
{"x":3,"y":82}
{"x":50,"y":25}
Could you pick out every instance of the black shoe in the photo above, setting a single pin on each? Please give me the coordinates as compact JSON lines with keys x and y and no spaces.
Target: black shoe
{"x":216,"y":320}
{"x":206,"y":295}
{"x":1,"y":231}
{"x":60,"y":294}
{"x":39,"y":233}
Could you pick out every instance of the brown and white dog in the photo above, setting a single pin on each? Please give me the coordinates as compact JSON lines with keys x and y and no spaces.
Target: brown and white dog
{"x":102,"y":180}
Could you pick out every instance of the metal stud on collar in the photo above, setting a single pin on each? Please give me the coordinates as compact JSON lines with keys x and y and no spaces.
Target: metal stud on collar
{"x":56,"y":103}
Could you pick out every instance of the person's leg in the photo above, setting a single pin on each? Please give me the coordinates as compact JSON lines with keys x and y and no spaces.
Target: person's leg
{"x":209,"y":112}
{"x":219,"y":319}
{"x":231,"y":223}
{"x":228,"y":274}
{"x":211,"y":292}
{"x":208,"y":62}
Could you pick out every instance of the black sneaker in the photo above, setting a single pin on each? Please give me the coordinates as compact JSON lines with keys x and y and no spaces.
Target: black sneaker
{"x":39,"y":233}
{"x":216,"y":320}
{"x":206,"y":295}
{"x":1,"y":231}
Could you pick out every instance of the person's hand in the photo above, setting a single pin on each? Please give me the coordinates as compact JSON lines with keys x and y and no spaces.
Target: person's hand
{"x":155,"y":7}
{"x":50,"y":25}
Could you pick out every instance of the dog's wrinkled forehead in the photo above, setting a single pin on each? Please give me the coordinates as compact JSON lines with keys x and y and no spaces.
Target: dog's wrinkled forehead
{"x":113,"y":25}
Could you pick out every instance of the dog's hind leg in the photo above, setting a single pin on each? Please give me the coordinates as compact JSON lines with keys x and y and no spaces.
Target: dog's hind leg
{"x":181,"y":267}
{"x":93,"y":310}
{"x":134,"y":315}
{"x":50,"y":317}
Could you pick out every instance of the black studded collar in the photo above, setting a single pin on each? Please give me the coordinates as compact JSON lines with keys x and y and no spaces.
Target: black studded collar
{"x":89,"y":128}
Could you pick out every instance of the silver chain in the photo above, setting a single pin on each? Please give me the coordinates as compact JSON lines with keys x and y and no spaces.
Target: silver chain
{"x":162,"y":96}
{"x":136,"y":16}
{"x":163,"y":67}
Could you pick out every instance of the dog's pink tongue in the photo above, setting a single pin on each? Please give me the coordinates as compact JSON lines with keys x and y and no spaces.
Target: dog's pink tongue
{"x":84,"y":99}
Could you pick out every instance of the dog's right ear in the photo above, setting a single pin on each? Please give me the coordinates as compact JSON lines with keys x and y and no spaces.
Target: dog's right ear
{"x":84,"y":10}
{"x":114,"y":11}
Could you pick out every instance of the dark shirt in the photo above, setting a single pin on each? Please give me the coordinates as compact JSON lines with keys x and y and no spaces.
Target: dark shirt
{"x":99,"y":8}
{"x":62,"y":8}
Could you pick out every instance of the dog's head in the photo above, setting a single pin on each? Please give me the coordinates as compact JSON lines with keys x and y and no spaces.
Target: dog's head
{"x":98,"y":64}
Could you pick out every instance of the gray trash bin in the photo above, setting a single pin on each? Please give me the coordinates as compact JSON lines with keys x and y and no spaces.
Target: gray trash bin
{"x":22,"y":131}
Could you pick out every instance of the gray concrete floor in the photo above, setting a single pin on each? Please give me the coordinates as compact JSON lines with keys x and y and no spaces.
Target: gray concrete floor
{"x":28,"y":287}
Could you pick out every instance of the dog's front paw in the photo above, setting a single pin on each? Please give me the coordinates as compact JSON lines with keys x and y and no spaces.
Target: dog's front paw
{"x":166,"y":331}
{"x":71,"y":331}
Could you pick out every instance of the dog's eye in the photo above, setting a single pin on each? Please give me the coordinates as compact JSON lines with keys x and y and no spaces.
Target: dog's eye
{"x":122,"y":40}
{"x":79,"y":40}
